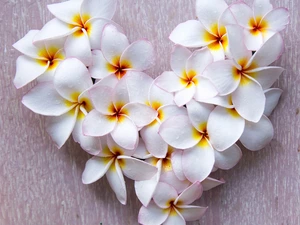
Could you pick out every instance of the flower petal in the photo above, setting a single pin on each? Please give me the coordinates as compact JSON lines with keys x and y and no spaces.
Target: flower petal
{"x":60,"y":127}
{"x":116,"y":149}
{"x":169,"y":82}
{"x":190,"y":194}
{"x":113,"y":44}
{"x":198,"y":161}
{"x":152,"y":214}
{"x":28,"y":69}
{"x":174,"y":218}
{"x":138,"y":56}
{"x":169,"y":177}
{"x":210,"y":183}
{"x":178,"y":132}
{"x":199,"y":60}
{"x":242,"y":13}
{"x":190,"y":34}
{"x":96,"y":124}
{"x":94,"y":28}
{"x":141,"y":151}
{"x":228,"y":158}
{"x":101,"y":97}
{"x":204,"y":89}
{"x":272,"y":98}
{"x":95,"y":168}
{"x":224,"y":127}
{"x":185,"y":95}
{"x":98,"y":9}
{"x":136,"y":169}
{"x":164,"y":194}
{"x":116,"y":181}
{"x":191,"y":212}
{"x":261,"y":7}
{"x":99,"y":68}
{"x":71,"y":79}
{"x":176,"y":160}
{"x":257,"y":135}
{"x":158,"y":97}
{"x":277,"y":19}
{"x":140,"y":114}
{"x":253,"y":41}
{"x":44,"y":99}
{"x":167,"y":111}
{"x":125,"y":133}
{"x":224,"y":101}
{"x":178,"y":59}
{"x":249,"y":99}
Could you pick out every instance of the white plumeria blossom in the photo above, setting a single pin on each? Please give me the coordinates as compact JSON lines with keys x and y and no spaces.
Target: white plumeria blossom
{"x":209,"y":31}
{"x":245,"y":76}
{"x":82,"y":21}
{"x":115,"y":114}
{"x":40,"y":60}
{"x":115,"y":162}
{"x":186,"y":80}
{"x":169,"y":208}
{"x":118,"y":56}
{"x":259,"y":22}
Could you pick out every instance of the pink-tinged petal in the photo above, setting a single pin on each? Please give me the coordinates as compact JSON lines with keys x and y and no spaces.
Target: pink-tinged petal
{"x":253,"y":41}
{"x":101,"y":97}
{"x":170,"y":82}
{"x":140,"y":114}
{"x":190,"y":194}
{"x":54,"y":29}
{"x":190,"y":34}
{"x":204,"y":89}
{"x":210,"y":183}
{"x":198,"y":161}
{"x":270,"y":51}
{"x":71,"y":79}
{"x":199,"y":60}
{"x":224,"y":101}
{"x":164,"y":195}
{"x":99,"y":68}
{"x":224,"y":127}
{"x":228,"y":158}
{"x":106,"y":152}
{"x":125,"y":133}
{"x":136,"y":169}
{"x":277,"y":19}
{"x":169,"y":177}
{"x":222,"y":74}
{"x":184,"y":96}
{"x":109,"y":81}
{"x":96,"y":124}
{"x":272,"y":98}
{"x":98,"y":9}
{"x":66,"y":11}
{"x":141,"y":151}
{"x":237,"y":48}
{"x":121,"y":93}
{"x":178,"y":60}
{"x":45,"y":100}
{"x":92,"y":145}
{"x":178,"y":132}
{"x":199,"y":114}
{"x":116,"y":181}
{"x":113,"y":44}
{"x":249,"y":99}
{"x":167,"y":111}
{"x":174,"y":218}
{"x":257,"y":135}
{"x":28,"y":69}
{"x":95,"y":168}
{"x":138,"y":56}
{"x":152,"y":215}
{"x":176,"y":160}
{"x":25,"y":46}
{"x":209,"y":12}
{"x":153,"y":141}
{"x":117,"y":149}
{"x":78,"y":45}
{"x":60,"y":127}
{"x":158,"y":97}
{"x":192,"y":213}
{"x":225,"y":19}
{"x":218,"y":51}
{"x":261,"y":7}
{"x":94,"y":28}
{"x":242,"y":13}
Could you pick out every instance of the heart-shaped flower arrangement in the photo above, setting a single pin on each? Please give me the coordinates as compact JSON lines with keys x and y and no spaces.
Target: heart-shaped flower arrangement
{"x":166,"y":134}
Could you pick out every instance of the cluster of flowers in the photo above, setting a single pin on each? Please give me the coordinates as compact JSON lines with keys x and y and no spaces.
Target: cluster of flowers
{"x":167,"y":134}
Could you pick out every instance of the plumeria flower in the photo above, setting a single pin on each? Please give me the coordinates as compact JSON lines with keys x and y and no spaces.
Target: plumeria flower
{"x":272,"y":97}
{"x":191,"y":134}
{"x":82,"y":21}
{"x":259,"y":22}
{"x":115,"y":162}
{"x":245,"y":76}
{"x":169,"y":208}
{"x":117,"y":56}
{"x":163,"y":103}
{"x":67,"y":100}
{"x":115,"y":114}
{"x":39,"y":60}
{"x":209,"y":31}
{"x":186,"y":79}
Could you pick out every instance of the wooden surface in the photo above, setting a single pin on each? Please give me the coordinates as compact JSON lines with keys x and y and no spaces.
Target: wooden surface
{"x":42,"y":185}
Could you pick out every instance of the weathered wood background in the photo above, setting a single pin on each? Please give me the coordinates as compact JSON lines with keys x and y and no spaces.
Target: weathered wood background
{"x":42,"y":185}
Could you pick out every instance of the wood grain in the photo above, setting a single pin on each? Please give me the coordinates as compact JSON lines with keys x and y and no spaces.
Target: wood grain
{"x":42,"y":185}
